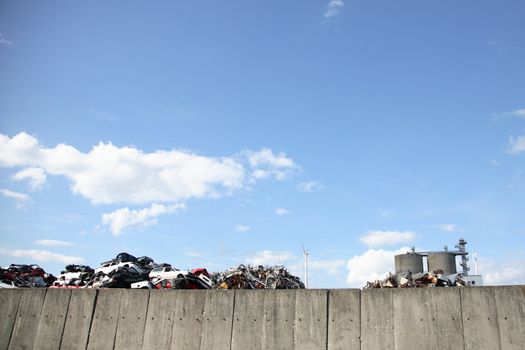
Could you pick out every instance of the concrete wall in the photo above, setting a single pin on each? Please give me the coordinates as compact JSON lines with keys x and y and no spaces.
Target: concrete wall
{"x":429,"y":318}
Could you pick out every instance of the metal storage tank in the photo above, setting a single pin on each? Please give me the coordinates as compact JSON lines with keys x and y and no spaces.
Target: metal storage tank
{"x":412,"y":262}
{"x":442,"y":261}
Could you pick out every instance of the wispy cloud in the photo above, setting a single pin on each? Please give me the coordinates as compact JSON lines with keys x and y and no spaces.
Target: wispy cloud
{"x":281,"y":211}
{"x":35,"y":176}
{"x":15,"y":195}
{"x":41,"y":255}
{"x":333,"y":8}
{"x":269,"y":257}
{"x":4,"y":41}
{"x":385,"y":238}
{"x":242,"y":228}
{"x":54,"y":243}
{"x":310,"y":186}
{"x":124,"y":218}
{"x":516,"y":144}
{"x":449,"y":228}
{"x":520,"y":113}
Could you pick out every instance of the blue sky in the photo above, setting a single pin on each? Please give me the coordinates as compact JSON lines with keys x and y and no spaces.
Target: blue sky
{"x":215,"y":133}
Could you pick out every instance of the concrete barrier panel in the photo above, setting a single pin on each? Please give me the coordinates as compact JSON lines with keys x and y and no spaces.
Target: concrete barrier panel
{"x":344,"y":319}
{"x":52,"y":319}
{"x":311,"y":312}
{"x":132,"y":318}
{"x":248,"y":320}
{"x":510,"y":303}
{"x":78,"y":319}
{"x":189,"y":317}
{"x":480,"y":318}
{"x":218,"y":315}
{"x":279,"y":317}
{"x":377,"y":319}
{"x":28,"y":316}
{"x":105,"y":318}
{"x":9,"y":300}
{"x":427,"y":318}
{"x":160,"y":318}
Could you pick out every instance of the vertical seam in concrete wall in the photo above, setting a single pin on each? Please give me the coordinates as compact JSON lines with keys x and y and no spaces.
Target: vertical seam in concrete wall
{"x":92,"y":316}
{"x":145,"y":320}
{"x":116,"y":327}
{"x":462,"y":320}
{"x":327,"y":316}
{"x":360,"y":322}
{"x":65,"y":321}
{"x":233,"y":316}
{"x":14,"y":322}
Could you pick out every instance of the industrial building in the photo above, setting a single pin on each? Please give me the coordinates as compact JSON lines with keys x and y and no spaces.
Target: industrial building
{"x":445,"y":260}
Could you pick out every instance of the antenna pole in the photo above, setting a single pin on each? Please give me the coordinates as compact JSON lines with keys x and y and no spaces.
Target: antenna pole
{"x":305,"y":254}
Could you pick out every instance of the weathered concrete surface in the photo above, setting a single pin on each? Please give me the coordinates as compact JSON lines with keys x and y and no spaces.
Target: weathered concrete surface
{"x":105,"y":318}
{"x":159,"y":319}
{"x":279,"y":317}
{"x":480,"y":318}
{"x":52,"y":319}
{"x":377,"y":319}
{"x":132,"y":319}
{"x":311,"y":311}
{"x":344,"y":319}
{"x":9,"y":300}
{"x":510,"y":303}
{"x":188,"y":319}
{"x":78,"y":319}
{"x":248,"y":320}
{"x":27,"y":319}
{"x":218,"y":315}
{"x":427,"y":318}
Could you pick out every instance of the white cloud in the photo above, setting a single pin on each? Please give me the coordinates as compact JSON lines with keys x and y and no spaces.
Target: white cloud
{"x":310,"y":186}
{"x":516,"y":145}
{"x":124,"y":218}
{"x":449,"y":228}
{"x":269,"y":257}
{"x":42,"y":255}
{"x":4,"y":41}
{"x":333,"y":8}
{"x":242,"y":228}
{"x":382,"y":238}
{"x":36,"y":176}
{"x":517,"y":113}
{"x":332,"y":267}
{"x":105,"y":174}
{"x":192,"y":253}
{"x":281,"y":211}
{"x":372,"y":265}
{"x":502,"y":273}
{"x":54,"y":243}
{"x":265,"y":164}
{"x":15,"y":195}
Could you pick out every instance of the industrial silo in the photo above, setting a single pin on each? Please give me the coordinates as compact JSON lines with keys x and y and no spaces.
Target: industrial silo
{"x":445,"y":261}
{"x":412,"y":262}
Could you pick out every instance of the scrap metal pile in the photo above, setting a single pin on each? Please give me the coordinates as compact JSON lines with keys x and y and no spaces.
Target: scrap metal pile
{"x":18,"y":275}
{"x":257,"y":277}
{"x":128,"y":271}
{"x":420,"y":280}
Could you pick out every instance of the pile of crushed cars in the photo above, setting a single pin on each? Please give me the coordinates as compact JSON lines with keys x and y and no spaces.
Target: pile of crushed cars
{"x":17,"y":275}
{"x":128,"y":271}
{"x":420,"y":280}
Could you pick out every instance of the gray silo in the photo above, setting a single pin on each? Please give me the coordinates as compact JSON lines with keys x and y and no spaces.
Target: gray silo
{"x":445,"y":261}
{"x":412,"y":262}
